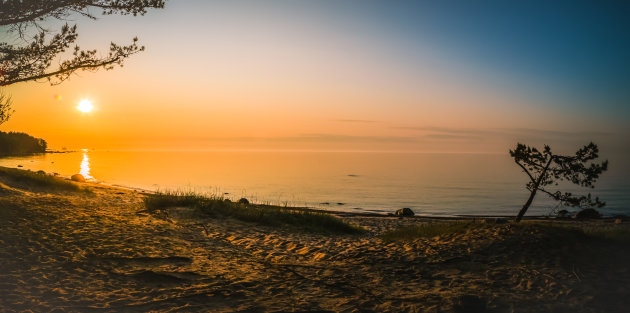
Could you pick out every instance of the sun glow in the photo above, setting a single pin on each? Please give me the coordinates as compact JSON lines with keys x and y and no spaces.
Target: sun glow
{"x":85,"y":106}
{"x":85,"y":166}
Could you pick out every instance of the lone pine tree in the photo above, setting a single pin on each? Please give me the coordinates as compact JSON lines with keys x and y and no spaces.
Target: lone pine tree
{"x":544,"y":169}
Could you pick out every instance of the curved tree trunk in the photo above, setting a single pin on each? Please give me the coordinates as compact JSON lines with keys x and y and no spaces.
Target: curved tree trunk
{"x":526,"y":206}
{"x":534,"y":189}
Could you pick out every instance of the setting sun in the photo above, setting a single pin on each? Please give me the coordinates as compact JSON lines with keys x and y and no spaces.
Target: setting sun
{"x":85,"y":106}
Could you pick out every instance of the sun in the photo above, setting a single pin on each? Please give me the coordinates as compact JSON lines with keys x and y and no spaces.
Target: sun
{"x":85,"y":106}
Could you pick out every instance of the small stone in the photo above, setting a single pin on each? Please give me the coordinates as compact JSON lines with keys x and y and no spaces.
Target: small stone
{"x":405,"y":212}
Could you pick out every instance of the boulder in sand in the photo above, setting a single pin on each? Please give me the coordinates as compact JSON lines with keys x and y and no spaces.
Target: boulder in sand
{"x":405,"y":212}
{"x":78,"y":178}
{"x":588,"y":214}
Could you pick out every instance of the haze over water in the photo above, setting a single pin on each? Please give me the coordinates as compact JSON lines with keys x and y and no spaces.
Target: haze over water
{"x":381,"y":182}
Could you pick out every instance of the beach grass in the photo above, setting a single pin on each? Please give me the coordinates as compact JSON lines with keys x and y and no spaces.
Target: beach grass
{"x":269,"y":215}
{"x":35,"y":181}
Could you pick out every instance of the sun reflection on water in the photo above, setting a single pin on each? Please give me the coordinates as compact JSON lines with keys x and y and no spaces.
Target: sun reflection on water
{"x":85,"y":166}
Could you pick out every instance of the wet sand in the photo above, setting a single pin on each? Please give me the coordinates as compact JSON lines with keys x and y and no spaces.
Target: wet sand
{"x":85,"y":252}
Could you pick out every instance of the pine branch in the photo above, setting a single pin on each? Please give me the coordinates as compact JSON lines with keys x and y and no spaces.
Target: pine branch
{"x":15,"y":12}
{"x":33,"y":60}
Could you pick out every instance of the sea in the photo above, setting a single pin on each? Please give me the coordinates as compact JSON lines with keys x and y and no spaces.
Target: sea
{"x":431,"y":184}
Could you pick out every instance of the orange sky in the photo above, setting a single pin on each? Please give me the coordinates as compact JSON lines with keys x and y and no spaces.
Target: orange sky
{"x":134,"y":114}
{"x":272,"y":83}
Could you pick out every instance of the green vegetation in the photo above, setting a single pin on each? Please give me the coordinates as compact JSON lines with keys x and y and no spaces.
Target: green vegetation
{"x":13,"y":143}
{"x":35,"y":181}
{"x":269,"y":215}
{"x":428,"y":230}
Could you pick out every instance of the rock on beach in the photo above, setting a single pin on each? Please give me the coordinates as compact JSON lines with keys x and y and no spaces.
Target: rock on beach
{"x":78,"y":178}
{"x":404,"y":212}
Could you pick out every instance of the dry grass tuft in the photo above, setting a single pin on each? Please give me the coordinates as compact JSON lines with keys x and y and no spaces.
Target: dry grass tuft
{"x":295,"y":218}
{"x":35,"y":181}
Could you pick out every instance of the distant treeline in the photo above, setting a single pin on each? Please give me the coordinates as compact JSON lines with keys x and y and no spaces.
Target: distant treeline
{"x":13,"y":143}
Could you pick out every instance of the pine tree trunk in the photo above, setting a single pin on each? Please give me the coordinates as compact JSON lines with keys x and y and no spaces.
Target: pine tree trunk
{"x":526,"y":206}
{"x":534,"y":189}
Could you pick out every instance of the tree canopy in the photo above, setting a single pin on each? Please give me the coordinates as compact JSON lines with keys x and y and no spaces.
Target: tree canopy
{"x":545,"y":169}
{"x":20,"y":143}
{"x":32,"y":58}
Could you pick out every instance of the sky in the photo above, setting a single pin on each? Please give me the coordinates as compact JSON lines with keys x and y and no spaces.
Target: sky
{"x":425,"y":76}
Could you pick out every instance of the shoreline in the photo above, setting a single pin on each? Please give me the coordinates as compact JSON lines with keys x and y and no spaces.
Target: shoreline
{"x":464,"y":217}
{"x":352,"y":213}
{"x":37,"y":153}
{"x":372,"y":214}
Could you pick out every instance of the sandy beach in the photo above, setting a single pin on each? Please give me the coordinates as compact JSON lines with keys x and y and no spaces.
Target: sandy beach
{"x":98,"y":251}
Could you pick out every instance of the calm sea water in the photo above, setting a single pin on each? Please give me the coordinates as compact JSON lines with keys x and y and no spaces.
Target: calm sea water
{"x":430,"y":184}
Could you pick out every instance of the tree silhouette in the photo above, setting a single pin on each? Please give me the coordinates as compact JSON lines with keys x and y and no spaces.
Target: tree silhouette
{"x":5,"y":107}
{"x":545,"y":169}
{"x":32,"y":58}
{"x":13,"y":143}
